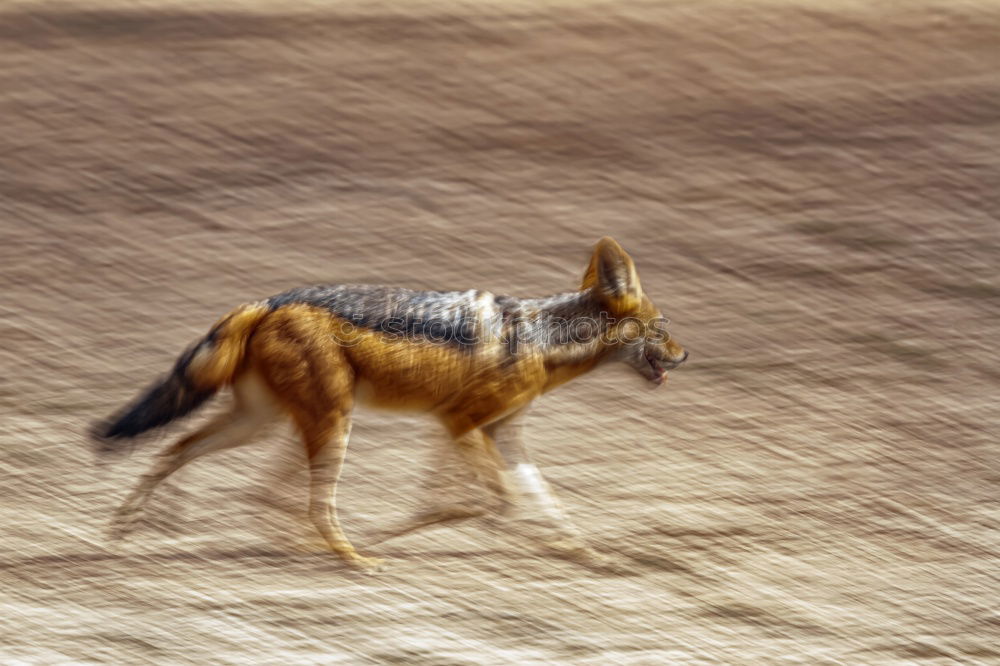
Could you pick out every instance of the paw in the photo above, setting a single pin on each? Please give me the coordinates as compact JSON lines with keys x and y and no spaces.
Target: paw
{"x":433,"y":516}
{"x":123,"y":523}
{"x":446,"y":514}
{"x":368,"y":565}
{"x":578,"y":552}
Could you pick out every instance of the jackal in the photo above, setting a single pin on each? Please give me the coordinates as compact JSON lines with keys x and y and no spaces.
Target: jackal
{"x":472,"y":359}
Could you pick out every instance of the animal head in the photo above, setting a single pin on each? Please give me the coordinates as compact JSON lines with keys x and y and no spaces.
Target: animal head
{"x":636,"y":333}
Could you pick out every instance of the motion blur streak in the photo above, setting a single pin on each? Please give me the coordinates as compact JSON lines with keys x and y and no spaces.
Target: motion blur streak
{"x":809,"y":191}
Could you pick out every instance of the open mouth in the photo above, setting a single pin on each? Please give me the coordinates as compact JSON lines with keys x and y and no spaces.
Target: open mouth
{"x":658,"y":372}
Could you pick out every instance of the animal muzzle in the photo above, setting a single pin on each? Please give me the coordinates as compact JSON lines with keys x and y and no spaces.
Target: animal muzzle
{"x":658,"y":367}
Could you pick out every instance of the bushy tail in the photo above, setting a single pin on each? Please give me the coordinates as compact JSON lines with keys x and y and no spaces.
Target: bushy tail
{"x":203,"y":369}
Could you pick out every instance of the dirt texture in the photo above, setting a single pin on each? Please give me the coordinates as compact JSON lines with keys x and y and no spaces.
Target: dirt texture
{"x":810,"y":191}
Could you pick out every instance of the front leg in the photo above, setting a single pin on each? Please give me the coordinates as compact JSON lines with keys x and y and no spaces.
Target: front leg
{"x":447,"y":487}
{"x":447,"y":494}
{"x":536,"y":502}
{"x":534,"y":499}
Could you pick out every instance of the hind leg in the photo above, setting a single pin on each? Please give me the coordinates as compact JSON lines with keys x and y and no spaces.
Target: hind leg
{"x":252,"y":411}
{"x":297,"y":352}
{"x":326,"y":446}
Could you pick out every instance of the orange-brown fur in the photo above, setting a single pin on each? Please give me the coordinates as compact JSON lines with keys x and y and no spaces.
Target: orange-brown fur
{"x":301,"y":361}
{"x":219,"y":366}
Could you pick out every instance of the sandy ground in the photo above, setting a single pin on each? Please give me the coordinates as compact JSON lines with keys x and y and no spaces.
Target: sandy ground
{"x":811,"y":195}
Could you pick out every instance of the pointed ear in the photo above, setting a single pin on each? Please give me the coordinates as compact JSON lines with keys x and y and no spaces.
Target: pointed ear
{"x":612,"y":277}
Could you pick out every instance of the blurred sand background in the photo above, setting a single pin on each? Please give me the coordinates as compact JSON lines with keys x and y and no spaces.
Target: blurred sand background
{"x":810,"y":191}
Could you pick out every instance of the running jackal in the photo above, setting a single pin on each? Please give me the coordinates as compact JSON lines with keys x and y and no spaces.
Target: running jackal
{"x":472,"y":359}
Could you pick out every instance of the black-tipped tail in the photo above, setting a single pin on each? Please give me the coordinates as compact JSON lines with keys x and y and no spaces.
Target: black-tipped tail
{"x":201,"y":371}
{"x":167,"y":399}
